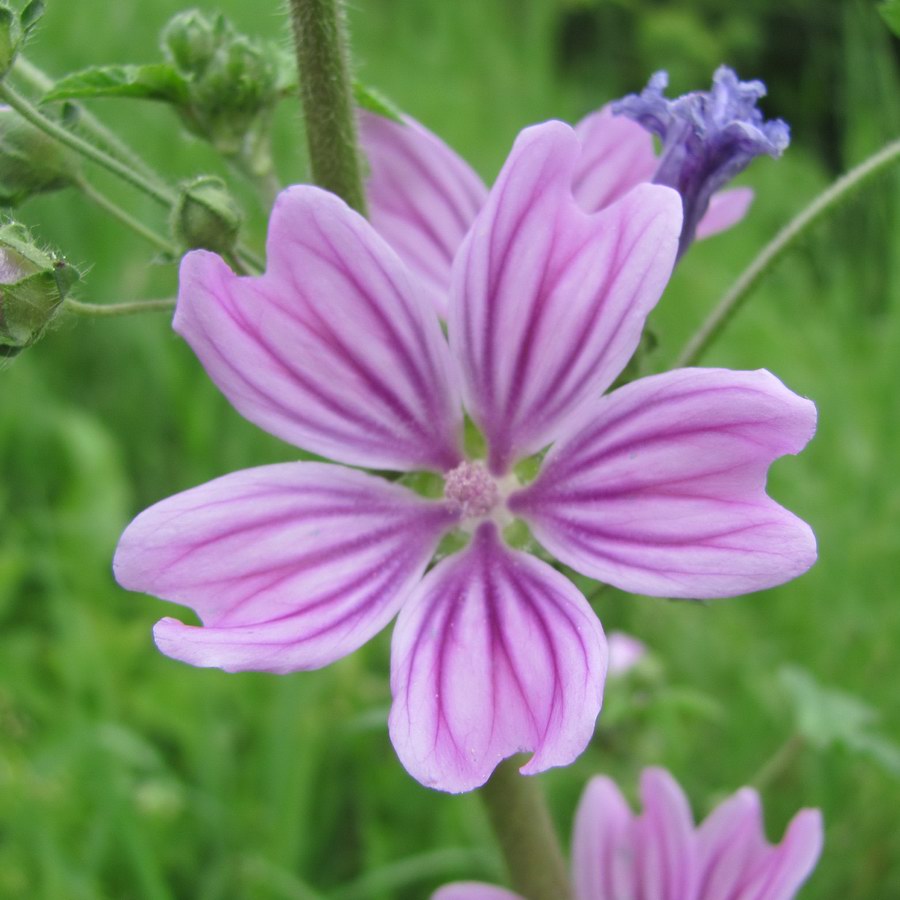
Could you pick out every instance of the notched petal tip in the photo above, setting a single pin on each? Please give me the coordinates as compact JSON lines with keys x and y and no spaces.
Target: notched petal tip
{"x":494,"y":654}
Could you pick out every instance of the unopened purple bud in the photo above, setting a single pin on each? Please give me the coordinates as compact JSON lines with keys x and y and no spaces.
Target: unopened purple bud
{"x":708,"y":137}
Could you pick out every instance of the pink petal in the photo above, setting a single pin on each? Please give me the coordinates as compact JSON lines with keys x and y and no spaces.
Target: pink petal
{"x":494,"y":654}
{"x":790,"y":863}
{"x":603,"y":844}
{"x":625,"y":652}
{"x":731,"y":846}
{"x":470,"y":890}
{"x":661,"y":488}
{"x":667,"y":857}
{"x":726,"y":209}
{"x":330,"y":349}
{"x":616,"y":155}
{"x":422,"y":198}
{"x":288,"y":566}
{"x":548,"y":302}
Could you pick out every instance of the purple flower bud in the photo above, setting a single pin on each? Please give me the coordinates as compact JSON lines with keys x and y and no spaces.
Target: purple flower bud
{"x":708,"y":137}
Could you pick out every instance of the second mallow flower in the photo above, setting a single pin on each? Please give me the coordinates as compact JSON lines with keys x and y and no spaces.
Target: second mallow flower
{"x":657,"y":488}
{"x":661,"y":855}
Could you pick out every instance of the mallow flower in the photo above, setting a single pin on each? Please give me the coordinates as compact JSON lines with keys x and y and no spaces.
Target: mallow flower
{"x":661,"y":855}
{"x":423,"y":196}
{"x":707,"y":137}
{"x":657,"y":488}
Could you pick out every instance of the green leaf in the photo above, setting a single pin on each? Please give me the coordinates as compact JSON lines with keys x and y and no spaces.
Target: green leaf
{"x":826,"y":717}
{"x":890,"y":12}
{"x":153,"y":82}
{"x":374,"y":101}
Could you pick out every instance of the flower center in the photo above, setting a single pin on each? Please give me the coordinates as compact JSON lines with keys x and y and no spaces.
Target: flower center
{"x":471,"y":490}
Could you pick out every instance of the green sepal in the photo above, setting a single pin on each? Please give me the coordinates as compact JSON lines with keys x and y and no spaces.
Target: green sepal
{"x":374,"y":101}
{"x":33,"y":285}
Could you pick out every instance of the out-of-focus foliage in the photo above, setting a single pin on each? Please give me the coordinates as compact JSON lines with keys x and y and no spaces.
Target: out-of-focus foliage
{"x":126,"y":775}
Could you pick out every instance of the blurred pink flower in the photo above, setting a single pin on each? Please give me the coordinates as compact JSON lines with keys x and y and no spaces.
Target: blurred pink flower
{"x":423,"y":197}
{"x":659,"y":487}
{"x":625,"y":652}
{"x":661,"y":855}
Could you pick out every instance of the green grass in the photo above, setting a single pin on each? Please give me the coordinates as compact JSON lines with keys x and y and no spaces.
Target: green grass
{"x":126,"y":775}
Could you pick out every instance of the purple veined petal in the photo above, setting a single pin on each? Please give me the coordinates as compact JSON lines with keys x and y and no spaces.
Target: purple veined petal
{"x":423,"y":197}
{"x":730,"y":846}
{"x":617,"y":154}
{"x":667,"y":852}
{"x":604,"y":851}
{"x":494,"y":654}
{"x":288,"y":566}
{"x":660,"y":488}
{"x":726,"y":209}
{"x":790,"y":863}
{"x":330,"y":349}
{"x":547,"y":302}
{"x":471,"y":890}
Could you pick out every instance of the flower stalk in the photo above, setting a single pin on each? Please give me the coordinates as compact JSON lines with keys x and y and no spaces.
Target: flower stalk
{"x":821,"y":206}
{"x":521,"y":821}
{"x":323,"y":61}
{"x":117,"y":309}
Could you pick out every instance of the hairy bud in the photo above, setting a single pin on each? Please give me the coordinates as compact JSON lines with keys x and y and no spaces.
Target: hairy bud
{"x":33,"y":285}
{"x":206,"y":216}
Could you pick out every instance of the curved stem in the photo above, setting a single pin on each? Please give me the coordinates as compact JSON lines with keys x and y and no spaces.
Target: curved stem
{"x":125,"y":217}
{"x":780,"y":761}
{"x":323,"y":61}
{"x":40,"y":82}
{"x":117,"y":309}
{"x":161,"y":193}
{"x":697,"y":346}
{"x":525,"y":832}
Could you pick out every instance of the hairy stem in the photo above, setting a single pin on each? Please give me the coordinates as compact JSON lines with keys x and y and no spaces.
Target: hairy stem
{"x":825,"y":203}
{"x":159,"y":192}
{"x":524,"y":830}
{"x":125,"y":217}
{"x":323,"y":61}
{"x":117,"y":309}
{"x":39,"y":82}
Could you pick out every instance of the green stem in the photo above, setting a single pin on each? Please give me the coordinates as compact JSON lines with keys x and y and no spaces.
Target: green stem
{"x":524,"y":830}
{"x":125,"y":217}
{"x":323,"y":61}
{"x":772,"y":252}
{"x":40,"y":82}
{"x":780,"y":761}
{"x":117,"y":309}
{"x":161,"y":193}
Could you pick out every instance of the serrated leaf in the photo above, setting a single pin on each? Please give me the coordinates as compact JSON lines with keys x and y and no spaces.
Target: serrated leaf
{"x":890,"y":12}
{"x":827,"y":716}
{"x":374,"y":101}
{"x":159,"y":81}
{"x":31,"y":14}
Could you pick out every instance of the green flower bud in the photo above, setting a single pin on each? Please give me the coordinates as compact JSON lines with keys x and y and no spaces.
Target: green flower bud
{"x":190,"y":40}
{"x":30,"y":161}
{"x":33,"y":285}
{"x":206,"y":216}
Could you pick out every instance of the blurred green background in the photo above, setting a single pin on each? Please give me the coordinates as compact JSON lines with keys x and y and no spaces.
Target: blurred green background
{"x":126,"y":775}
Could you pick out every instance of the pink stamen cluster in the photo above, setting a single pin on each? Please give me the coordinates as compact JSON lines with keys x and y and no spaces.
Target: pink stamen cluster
{"x":470,"y":490}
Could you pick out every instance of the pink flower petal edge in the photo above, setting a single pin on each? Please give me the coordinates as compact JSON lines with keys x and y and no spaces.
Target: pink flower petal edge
{"x":548,"y":303}
{"x":288,"y":566}
{"x":660,"y":488}
{"x":330,"y":349}
{"x":660,"y":854}
{"x":726,"y":209}
{"x":423,"y":197}
{"x":500,"y":625}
